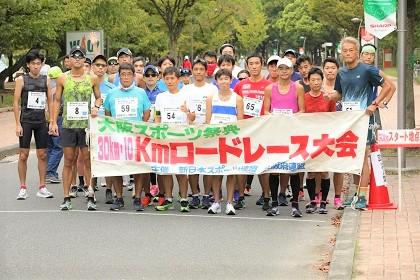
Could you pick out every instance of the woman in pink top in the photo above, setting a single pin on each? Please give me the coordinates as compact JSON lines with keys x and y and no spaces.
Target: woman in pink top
{"x":284,"y":97}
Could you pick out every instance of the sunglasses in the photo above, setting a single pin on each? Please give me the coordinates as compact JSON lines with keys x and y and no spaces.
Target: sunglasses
{"x":150,"y":75}
{"x":113,"y":63}
{"x":100,"y":65}
{"x":77,"y":56}
{"x":240,"y":79}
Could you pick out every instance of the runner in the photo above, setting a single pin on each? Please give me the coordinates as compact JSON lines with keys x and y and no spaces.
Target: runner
{"x":330,"y":67}
{"x":170,"y":108}
{"x":151,"y":76}
{"x":196,"y":103}
{"x":315,"y":102}
{"x":139,"y":63}
{"x":124,"y":55}
{"x":243,"y":74}
{"x":292,"y":55}
{"x":354,"y":85}
{"x":227,"y":62}
{"x":223,"y":107}
{"x":252,"y":92}
{"x":127,"y":102}
{"x":228,"y":49}
{"x":54,"y":149}
{"x":112,"y":65}
{"x":99,"y":69}
{"x":163,"y":63}
{"x":75,"y":87}
{"x":185,"y":76}
{"x":284,"y":97}
{"x":273,"y":75}
{"x":32,"y":96}
{"x":211,"y":59}
{"x":87,"y":65}
{"x":304,"y":64}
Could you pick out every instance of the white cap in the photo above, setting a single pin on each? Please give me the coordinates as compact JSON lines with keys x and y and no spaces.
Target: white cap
{"x":285,"y":61}
{"x":273,"y":58}
{"x":186,"y":57}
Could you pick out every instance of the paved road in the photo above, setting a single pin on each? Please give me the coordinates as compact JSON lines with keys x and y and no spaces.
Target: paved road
{"x":40,"y":242}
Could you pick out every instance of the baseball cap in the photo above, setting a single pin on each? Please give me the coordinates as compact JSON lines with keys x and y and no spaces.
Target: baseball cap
{"x":111,"y":59}
{"x":273,"y":58}
{"x":54,"y":72}
{"x":88,"y":60}
{"x":124,"y":51}
{"x":186,"y":57}
{"x":99,"y":56}
{"x":285,"y":61}
{"x":291,"y":51}
{"x":185,"y":71}
{"x":77,"y":49}
{"x":151,"y":68}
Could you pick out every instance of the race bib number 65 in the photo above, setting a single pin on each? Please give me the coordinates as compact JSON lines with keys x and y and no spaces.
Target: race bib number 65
{"x":252,"y":106}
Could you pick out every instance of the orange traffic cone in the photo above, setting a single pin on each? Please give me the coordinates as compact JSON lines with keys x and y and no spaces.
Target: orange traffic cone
{"x":378,"y":193}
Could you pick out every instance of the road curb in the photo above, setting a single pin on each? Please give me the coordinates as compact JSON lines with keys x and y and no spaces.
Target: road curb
{"x":341,"y":266}
{"x":6,"y":109}
{"x":9,"y":150}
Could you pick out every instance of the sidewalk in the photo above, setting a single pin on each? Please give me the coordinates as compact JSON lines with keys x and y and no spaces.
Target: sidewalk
{"x":7,"y":131}
{"x":388,"y":245}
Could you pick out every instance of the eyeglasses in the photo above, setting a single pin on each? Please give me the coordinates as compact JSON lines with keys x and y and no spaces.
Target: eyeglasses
{"x":150,"y":75}
{"x":113,"y":63}
{"x":240,"y":79}
{"x":100,"y":65}
{"x":77,"y":56}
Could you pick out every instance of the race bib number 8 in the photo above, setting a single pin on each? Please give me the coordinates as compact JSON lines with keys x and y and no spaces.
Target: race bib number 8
{"x":252,"y":106}
{"x":36,"y":100}
{"x":77,"y":111}
{"x":126,"y":108}
{"x":351,"y":105}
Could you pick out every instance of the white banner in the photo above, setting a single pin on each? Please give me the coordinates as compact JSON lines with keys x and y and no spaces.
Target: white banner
{"x":312,"y":142}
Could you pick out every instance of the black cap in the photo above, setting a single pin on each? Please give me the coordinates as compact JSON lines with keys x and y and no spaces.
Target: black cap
{"x":185,"y":71}
{"x":124,"y":51}
{"x":292,"y":51}
{"x":151,"y":68}
{"x":99,"y":56}
{"x":77,"y":49}
{"x":88,"y":60}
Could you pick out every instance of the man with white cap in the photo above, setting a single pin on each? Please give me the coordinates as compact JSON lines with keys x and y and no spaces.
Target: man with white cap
{"x":273,"y":75}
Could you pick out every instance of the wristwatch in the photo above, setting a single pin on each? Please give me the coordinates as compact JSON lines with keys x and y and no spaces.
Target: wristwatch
{"x":97,"y":107}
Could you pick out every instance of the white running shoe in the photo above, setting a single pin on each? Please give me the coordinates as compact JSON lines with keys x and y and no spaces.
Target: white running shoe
{"x":215,"y":208}
{"x":22,"y":194}
{"x":230,"y":210}
{"x":44,"y":193}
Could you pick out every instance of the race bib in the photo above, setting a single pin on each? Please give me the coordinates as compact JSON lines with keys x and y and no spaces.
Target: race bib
{"x":221,"y":118}
{"x":350,"y":106}
{"x":198,"y":106}
{"x":126,"y":107}
{"x":174,"y":116}
{"x":252,"y":106}
{"x":152,"y":113}
{"x":287,"y":112}
{"x":77,"y":111}
{"x":36,"y":100}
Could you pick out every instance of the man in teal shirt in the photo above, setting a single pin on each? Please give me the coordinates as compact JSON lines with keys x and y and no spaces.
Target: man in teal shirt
{"x":128,"y":102}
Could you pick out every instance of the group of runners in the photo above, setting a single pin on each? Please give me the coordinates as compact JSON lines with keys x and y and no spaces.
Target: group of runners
{"x":55,"y":109}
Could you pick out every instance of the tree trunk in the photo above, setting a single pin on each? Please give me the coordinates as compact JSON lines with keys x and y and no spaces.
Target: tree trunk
{"x":173,"y":44}
{"x":10,"y":70}
{"x":10,"y":57}
{"x":410,"y":121}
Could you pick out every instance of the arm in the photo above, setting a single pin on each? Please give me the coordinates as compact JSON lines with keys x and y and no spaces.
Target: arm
{"x":240,"y":107}
{"x":16,"y":109}
{"x":56,"y":105}
{"x":50,"y":94}
{"x":267,"y":99}
{"x":376,"y":79}
{"x":208,"y":108}
{"x":300,"y":93}
{"x":98,"y":99}
{"x":391,"y":92}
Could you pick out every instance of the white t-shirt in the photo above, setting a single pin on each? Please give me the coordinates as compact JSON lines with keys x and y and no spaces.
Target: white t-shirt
{"x":169,"y":106}
{"x":196,"y":101}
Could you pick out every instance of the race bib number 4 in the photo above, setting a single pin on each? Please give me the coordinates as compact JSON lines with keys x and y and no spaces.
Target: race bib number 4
{"x":351,"y":105}
{"x":77,"y":111}
{"x":252,"y":106}
{"x":36,"y":100}
{"x":126,"y":108}
{"x":287,"y":112}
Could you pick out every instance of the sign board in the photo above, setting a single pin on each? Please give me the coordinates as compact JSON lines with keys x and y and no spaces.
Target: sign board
{"x":82,"y":39}
{"x":380,"y":17}
{"x":409,"y":138}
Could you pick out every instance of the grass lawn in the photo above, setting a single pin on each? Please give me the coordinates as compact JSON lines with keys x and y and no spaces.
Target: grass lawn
{"x":391,"y":71}
{"x":6,"y":99}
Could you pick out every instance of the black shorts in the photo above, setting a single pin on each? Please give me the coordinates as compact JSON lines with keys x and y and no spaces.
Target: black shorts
{"x":40,"y":131}
{"x":73,"y":137}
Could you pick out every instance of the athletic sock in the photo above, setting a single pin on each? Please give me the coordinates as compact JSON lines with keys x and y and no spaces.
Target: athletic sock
{"x":81,"y":181}
{"x":295,"y":184}
{"x":337,"y":196}
{"x":273,"y":181}
{"x":310,"y":186}
{"x":325,"y":188}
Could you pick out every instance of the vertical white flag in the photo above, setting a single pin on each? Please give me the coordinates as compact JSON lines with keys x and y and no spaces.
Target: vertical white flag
{"x":380,"y":17}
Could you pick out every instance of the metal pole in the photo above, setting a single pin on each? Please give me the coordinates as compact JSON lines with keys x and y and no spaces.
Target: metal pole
{"x":401,"y":64}
{"x":376,"y":43}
